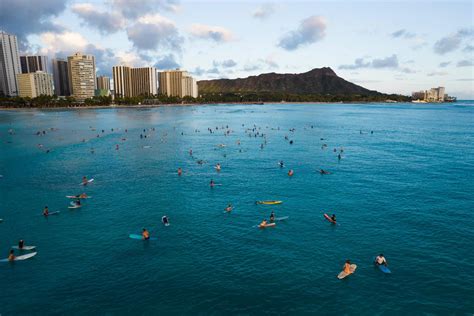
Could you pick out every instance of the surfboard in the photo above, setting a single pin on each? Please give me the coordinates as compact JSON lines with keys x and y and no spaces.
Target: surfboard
{"x":75,"y":197}
{"x":88,"y":181}
{"x":281,"y":218}
{"x":76,"y":206}
{"x":326,"y":216}
{"x":268,"y":225}
{"x":20,"y":258}
{"x":342,"y":275}
{"x":382,"y":267}
{"x":140,"y":237}
{"x":269,"y":202}
{"x":51,"y":213}
{"x":24,"y":247}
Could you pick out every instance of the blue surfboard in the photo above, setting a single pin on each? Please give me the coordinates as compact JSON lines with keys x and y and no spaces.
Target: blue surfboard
{"x":382,"y":268}
{"x":140,"y":237}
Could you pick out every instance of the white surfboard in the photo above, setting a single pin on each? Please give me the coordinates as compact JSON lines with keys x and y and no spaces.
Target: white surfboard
{"x":342,"y":275}
{"x":20,"y":258}
{"x":88,"y":181}
{"x":24,"y":247}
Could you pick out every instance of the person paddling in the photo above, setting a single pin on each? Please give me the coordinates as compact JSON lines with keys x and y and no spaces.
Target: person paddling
{"x":145,"y":234}
{"x":11,"y":255}
{"x":380,"y":260}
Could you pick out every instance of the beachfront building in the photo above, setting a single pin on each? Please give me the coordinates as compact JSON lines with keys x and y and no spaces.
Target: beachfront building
{"x":177,"y":83}
{"x":103,"y":86}
{"x":34,"y":84}
{"x":432,"y":95}
{"x":61,"y":77}
{"x":33,"y":64}
{"x":9,"y":64}
{"x":133,"y":82}
{"x":81,"y":71}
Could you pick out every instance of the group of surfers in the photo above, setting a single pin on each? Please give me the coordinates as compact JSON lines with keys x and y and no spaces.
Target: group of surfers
{"x":146,"y":233}
{"x":11,"y":254}
{"x":379,"y":261}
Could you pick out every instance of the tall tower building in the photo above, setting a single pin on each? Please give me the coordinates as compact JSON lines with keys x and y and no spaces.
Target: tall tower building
{"x":177,"y":83}
{"x":33,"y":64}
{"x":34,"y":84}
{"x":103,"y":83}
{"x":9,"y":64}
{"x":81,"y":70}
{"x":132,"y":82}
{"x":61,"y":77}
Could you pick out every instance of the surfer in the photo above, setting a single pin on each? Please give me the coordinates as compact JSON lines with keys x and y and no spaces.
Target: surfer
{"x":218,"y":167}
{"x":21,"y":243}
{"x":77,"y":202}
{"x":281,"y":164}
{"x":229,"y":208}
{"x":211,"y":183}
{"x":339,"y":156}
{"x":380,"y":260}
{"x":11,"y":255}
{"x":333,"y":218}
{"x":347,"y":267}
{"x":164,"y":219}
{"x":322,"y":171}
{"x":180,"y":171}
{"x":272,"y":217}
{"x":84,"y":180}
{"x":46,"y":211}
{"x":145,"y":234}
{"x":263,"y":223}
{"x":290,"y":172}
{"x":82,"y":196}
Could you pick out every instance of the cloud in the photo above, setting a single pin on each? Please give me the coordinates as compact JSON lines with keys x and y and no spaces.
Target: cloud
{"x":229,"y":63}
{"x":24,"y":17}
{"x":215,"y":33}
{"x":452,"y":42}
{"x":104,"y":22}
{"x":251,"y":67}
{"x":387,"y":62}
{"x":437,"y":73}
{"x":465,"y":63}
{"x":154,"y":31}
{"x":167,"y":62}
{"x":264,"y":11}
{"x":310,"y":30}
{"x":407,"y":70}
{"x":444,"y":64}
{"x":465,"y":79}
{"x":402,"y":33}
{"x":198,"y":71}
{"x":134,"y":8}
{"x":468,"y":49}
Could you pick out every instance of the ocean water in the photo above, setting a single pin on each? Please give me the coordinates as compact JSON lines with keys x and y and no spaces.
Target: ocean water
{"x":406,"y":191}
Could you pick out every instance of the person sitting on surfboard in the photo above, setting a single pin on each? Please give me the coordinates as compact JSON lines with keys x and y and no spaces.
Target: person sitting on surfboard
{"x":229,"y":208}
{"x":263,"y":223}
{"x":145,"y":234}
{"x":272,"y":217}
{"x":84,"y":180}
{"x":218,"y":167}
{"x":45,"y":211}
{"x":211,"y":183}
{"x":164,"y":219}
{"x":333,"y":218}
{"x":82,"y":196}
{"x":21,"y":243}
{"x":290,"y":172}
{"x":180,"y":171}
{"x":347,"y":267}
{"x":11,"y":255}
{"x":281,"y":164}
{"x":380,"y":260}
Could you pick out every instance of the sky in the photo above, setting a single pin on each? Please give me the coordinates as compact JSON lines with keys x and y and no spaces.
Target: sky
{"x":391,"y":47}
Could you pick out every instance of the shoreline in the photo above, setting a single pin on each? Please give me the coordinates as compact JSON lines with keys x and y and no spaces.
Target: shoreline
{"x":81,"y":107}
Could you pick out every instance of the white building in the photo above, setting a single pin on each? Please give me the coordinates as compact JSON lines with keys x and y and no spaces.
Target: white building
{"x":9,"y":64}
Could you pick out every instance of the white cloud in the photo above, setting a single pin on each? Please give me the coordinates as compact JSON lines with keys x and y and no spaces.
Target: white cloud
{"x":215,"y":33}
{"x":104,"y":22}
{"x":310,"y":30}
{"x":59,"y":42}
{"x":264,"y":11}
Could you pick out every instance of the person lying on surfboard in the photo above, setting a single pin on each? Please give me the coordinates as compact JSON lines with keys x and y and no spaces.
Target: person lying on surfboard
{"x":347,"y":267}
{"x":145,"y":234}
{"x":333,"y":217}
{"x":272,"y":217}
{"x":11,"y":255}
{"x":46,"y":211}
{"x":263,"y":223}
{"x":380,"y":260}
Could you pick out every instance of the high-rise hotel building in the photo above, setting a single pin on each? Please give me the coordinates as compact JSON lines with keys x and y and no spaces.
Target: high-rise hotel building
{"x":61,"y":77}
{"x":177,"y":83}
{"x":132,"y":82}
{"x":34,"y":84}
{"x":82,"y":81}
{"x":9,"y":64}
{"x":33,"y":64}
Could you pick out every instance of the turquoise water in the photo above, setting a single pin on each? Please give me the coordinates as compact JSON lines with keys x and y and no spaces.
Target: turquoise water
{"x":406,"y":190}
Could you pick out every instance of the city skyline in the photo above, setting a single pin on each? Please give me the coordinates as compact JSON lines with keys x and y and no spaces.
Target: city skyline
{"x":389,"y":47}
